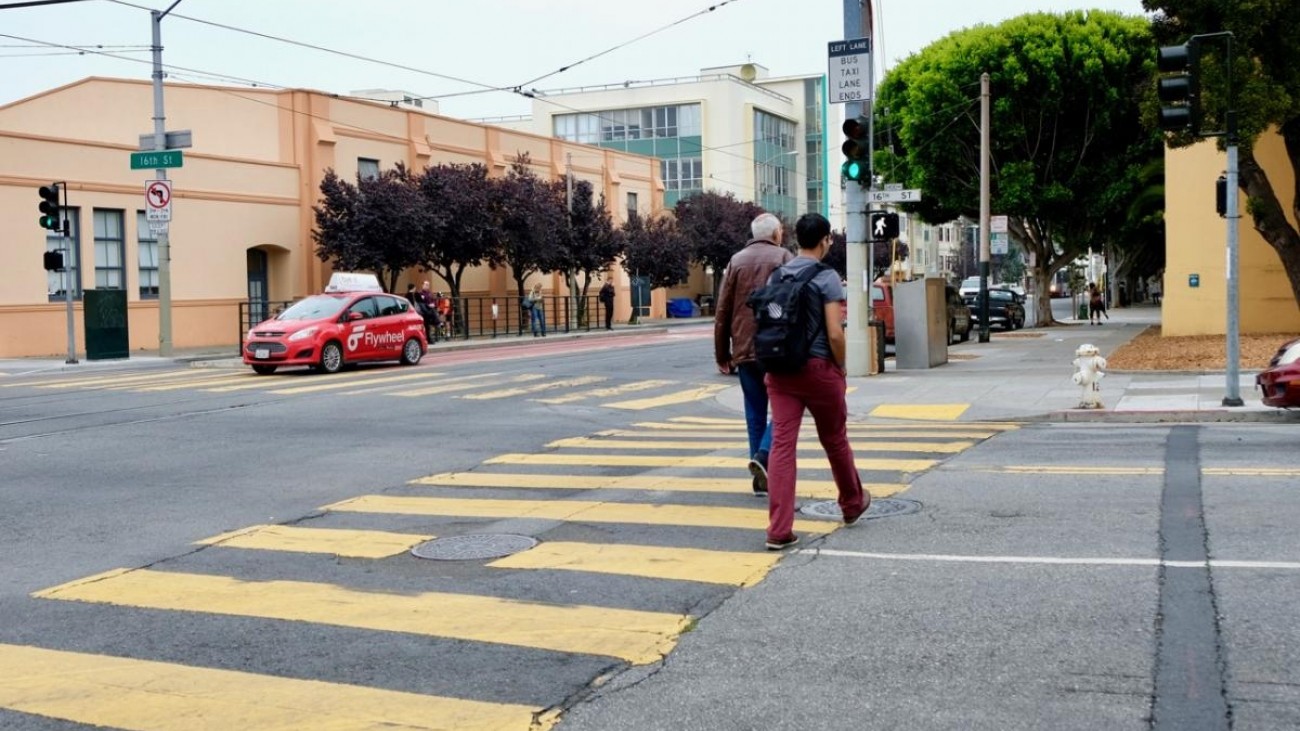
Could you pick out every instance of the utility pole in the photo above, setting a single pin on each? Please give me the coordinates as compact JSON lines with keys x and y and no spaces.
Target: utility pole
{"x":164,"y":233}
{"x":64,"y":232}
{"x":984,"y":208}
{"x":857,"y":24}
{"x":1232,"y":388}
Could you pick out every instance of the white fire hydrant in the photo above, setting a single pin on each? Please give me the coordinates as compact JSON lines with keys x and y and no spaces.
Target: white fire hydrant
{"x":1089,"y":369}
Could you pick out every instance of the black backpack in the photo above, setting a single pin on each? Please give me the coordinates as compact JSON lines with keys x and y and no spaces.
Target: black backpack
{"x":784,"y":310}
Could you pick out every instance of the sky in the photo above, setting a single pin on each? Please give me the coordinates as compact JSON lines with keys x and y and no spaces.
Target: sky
{"x":483,"y":43}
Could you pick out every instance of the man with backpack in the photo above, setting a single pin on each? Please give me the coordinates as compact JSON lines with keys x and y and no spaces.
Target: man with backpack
{"x":799,"y":340}
{"x":733,"y":331}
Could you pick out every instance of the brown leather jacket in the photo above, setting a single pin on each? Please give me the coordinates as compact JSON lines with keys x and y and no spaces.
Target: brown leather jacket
{"x":733,"y":322}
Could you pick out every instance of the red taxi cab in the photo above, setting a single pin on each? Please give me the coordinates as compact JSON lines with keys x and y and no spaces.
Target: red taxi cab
{"x":353,"y":321}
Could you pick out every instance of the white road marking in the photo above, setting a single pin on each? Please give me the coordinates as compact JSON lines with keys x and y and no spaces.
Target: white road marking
{"x":1054,"y":560}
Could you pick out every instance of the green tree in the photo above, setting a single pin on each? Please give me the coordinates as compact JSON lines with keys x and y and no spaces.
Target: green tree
{"x":594,"y":244}
{"x":716,"y":225}
{"x":533,"y":232}
{"x":1266,"y":80}
{"x":463,"y":221}
{"x":656,"y":250}
{"x":374,"y":225}
{"x":1067,"y":136}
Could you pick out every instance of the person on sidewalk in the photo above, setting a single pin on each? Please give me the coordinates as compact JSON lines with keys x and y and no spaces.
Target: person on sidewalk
{"x":607,"y":299}
{"x":537,"y":311}
{"x":733,"y":332}
{"x":1096,"y":304}
{"x":819,"y":387}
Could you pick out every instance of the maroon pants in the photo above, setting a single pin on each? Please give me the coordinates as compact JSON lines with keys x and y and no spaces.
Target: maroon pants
{"x":819,"y":388}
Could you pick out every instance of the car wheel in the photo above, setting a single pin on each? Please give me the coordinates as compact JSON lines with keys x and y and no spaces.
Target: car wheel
{"x":412,"y":352}
{"x":331,"y":358}
{"x":264,"y":370}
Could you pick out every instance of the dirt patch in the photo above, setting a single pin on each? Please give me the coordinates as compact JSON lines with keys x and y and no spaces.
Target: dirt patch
{"x":999,"y":336}
{"x":1150,"y":351}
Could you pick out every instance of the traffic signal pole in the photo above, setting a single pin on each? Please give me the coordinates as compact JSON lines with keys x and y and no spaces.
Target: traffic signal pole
{"x":67,"y":275}
{"x":858,"y":260}
{"x":985,"y":208}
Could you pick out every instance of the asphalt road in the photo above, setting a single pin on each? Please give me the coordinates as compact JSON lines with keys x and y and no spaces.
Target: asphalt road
{"x":194,"y":549}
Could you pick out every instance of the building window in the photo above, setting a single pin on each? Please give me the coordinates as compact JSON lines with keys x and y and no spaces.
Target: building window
{"x":622,"y":125}
{"x":631,"y":204}
{"x":147,"y":250}
{"x":70,"y":245}
{"x":683,"y":174}
{"x":367,"y":169}
{"x":110,"y":271}
{"x":775,"y":164}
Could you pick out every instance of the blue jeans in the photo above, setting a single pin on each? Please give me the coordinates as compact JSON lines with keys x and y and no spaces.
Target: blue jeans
{"x":756,"y":421}
{"x":537,"y":320}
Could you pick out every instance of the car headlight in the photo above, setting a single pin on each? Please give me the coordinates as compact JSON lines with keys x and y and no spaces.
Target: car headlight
{"x":302,"y":334}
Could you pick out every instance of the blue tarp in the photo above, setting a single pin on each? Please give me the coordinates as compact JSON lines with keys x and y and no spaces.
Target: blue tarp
{"x":682,"y":307}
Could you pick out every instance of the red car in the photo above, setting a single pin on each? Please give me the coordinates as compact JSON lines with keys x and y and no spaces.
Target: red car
{"x":1280,"y":383}
{"x":327,"y":331}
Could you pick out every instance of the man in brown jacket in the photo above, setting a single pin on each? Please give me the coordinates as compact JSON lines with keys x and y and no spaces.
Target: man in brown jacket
{"x":733,"y":332}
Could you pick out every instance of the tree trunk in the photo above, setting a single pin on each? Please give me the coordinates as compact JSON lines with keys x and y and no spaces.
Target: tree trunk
{"x":1264,"y":207}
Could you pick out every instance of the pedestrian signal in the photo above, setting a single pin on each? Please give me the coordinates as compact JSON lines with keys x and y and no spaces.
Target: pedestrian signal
{"x":884,"y":225}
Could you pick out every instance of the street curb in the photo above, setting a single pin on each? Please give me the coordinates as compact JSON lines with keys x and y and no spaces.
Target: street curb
{"x":1223,"y":416}
{"x":477,"y":344}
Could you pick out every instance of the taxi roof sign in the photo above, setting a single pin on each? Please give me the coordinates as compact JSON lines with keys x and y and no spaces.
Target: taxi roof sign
{"x":353,"y":282}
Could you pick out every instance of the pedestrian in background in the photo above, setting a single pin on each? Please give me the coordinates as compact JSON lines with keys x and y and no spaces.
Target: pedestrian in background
{"x":819,"y":387}
{"x":537,"y":311}
{"x":733,"y":333}
{"x":607,"y":299}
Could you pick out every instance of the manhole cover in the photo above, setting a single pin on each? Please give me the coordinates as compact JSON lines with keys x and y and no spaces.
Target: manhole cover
{"x":880,"y":508}
{"x":475,"y":546}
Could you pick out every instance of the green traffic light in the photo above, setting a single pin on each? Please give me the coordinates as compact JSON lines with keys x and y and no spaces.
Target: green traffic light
{"x":48,"y":222}
{"x":853,"y":170}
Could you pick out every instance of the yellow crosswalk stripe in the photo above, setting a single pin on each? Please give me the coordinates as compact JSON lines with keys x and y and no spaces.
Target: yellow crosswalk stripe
{"x":805,"y":446}
{"x":584,"y":511}
{"x":370,"y":380}
{"x":610,"y":392}
{"x":920,"y":412}
{"x":725,"y":425}
{"x":731,"y":568}
{"x":638,"y":637}
{"x":806,"y":488}
{"x":808,"y":431}
{"x":122,"y":379}
{"x":145,"y":695}
{"x":205,"y":383}
{"x":452,"y":385}
{"x":737,"y":463}
{"x":681,"y":397}
{"x":332,"y":541}
{"x":521,"y":390}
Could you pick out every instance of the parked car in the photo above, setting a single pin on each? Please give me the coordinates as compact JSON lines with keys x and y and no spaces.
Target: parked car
{"x":1279,"y":384}
{"x":960,"y":323}
{"x":969,"y":286}
{"x":1006,"y":309}
{"x":328,"y":331}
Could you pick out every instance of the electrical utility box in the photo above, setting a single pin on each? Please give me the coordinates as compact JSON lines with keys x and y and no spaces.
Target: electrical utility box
{"x":920,"y":324}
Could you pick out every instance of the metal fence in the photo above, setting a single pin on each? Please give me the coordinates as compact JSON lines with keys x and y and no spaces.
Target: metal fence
{"x":480,"y":316}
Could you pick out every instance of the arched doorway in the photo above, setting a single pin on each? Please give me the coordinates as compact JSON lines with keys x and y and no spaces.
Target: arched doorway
{"x":259,"y":300}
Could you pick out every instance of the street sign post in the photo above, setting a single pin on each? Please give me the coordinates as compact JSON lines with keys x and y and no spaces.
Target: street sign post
{"x":157,"y":201}
{"x":157,"y":159}
{"x":999,"y":244}
{"x":909,"y":195}
{"x":849,"y":68}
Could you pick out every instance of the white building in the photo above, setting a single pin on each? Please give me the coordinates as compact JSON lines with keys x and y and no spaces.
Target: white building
{"x":730,"y":129}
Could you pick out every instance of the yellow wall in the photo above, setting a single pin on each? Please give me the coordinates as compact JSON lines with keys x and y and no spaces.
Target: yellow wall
{"x":249,"y":181}
{"x":1195,"y":243}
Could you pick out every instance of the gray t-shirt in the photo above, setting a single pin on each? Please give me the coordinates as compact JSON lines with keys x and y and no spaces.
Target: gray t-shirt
{"x":828,"y":287}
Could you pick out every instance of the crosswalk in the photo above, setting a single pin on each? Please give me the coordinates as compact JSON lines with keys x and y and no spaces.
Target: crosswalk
{"x":667,"y":518}
{"x":587,"y":390}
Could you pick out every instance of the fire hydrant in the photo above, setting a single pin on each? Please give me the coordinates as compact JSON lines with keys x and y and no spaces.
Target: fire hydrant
{"x":1089,"y":369}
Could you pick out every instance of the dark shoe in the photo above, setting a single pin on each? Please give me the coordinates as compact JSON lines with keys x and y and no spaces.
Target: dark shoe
{"x":866,"y":505}
{"x":777,"y":545}
{"x":758,"y":468}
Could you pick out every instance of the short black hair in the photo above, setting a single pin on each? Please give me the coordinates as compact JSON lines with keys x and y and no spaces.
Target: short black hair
{"x":811,"y":229}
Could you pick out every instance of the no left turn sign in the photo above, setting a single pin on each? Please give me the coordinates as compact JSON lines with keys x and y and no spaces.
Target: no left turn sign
{"x":158,"y":200}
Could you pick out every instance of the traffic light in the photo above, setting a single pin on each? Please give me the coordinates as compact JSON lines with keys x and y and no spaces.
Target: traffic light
{"x":857,"y":153}
{"x":1221,"y":196}
{"x":49,"y":207}
{"x":1180,"y":92}
{"x":53,"y":261}
{"x":884,"y":225}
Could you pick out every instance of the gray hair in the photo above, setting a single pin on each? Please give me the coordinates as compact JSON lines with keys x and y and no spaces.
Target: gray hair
{"x":765,"y":226}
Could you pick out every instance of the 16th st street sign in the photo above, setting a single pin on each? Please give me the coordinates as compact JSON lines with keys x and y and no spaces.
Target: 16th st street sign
{"x":156,"y":159}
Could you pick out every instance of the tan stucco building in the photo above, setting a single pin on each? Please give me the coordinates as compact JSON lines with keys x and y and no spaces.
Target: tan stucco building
{"x":1195,"y":245}
{"x":242,"y":202}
